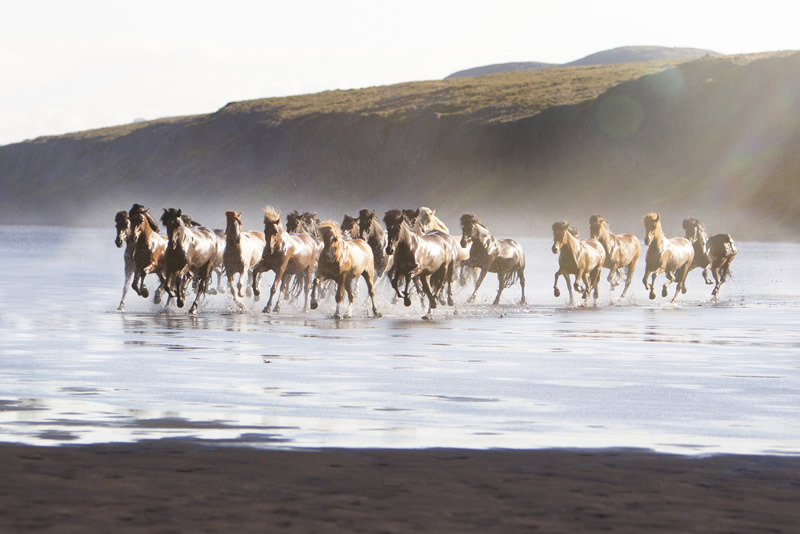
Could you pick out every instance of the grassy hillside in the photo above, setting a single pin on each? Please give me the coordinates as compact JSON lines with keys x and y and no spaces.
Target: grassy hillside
{"x":713,"y":138}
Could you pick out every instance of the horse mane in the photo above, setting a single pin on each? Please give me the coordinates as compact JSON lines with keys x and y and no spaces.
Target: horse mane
{"x":469,"y":218}
{"x":272,"y":214}
{"x":691,"y":221}
{"x":332,"y":236}
{"x":393,"y":217}
{"x":564,"y":226}
{"x":366,"y":214}
{"x":121,"y":218}
{"x":651,"y":219}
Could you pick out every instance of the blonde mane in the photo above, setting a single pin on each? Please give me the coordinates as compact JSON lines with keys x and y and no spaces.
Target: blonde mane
{"x":272,"y":214}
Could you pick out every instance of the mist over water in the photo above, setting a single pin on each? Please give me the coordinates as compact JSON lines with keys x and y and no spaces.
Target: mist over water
{"x":698,"y":377}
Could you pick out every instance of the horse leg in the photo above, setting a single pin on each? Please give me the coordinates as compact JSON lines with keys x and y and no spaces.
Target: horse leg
{"x":348,"y":286}
{"x":501,"y":284}
{"x":670,"y":278}
{"x":202,"y":285}
{"x":406,"y":298}
{"x":371,"y":291}
{"x":613,"y":276}
{"x":681,"y":282}
{"x":340,"y":289}
{"x":255,"y":279}
{"x":652,"y":284}
{"x":521,"y":276}
{"x":478,"y":283}
{"x":628,"y":280}
{"x":128,"y":275}
{"x":159,"y":289}
{"x":314,"y":303}
{"x":556,"y":291}
{"x":431,"y":298}
{"x":234,"y":293}
{"x":306,"y":284}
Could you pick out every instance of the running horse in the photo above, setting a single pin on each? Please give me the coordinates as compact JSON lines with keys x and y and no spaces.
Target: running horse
{"x":672,"y":257}
{"x":373,"y":232}
{"x":582,"y":258}
{"x":429,"y":222}
{"x":243,"y":250}
{"x":191,"y":253}
{"x":149,"y":251}
{"x":124,"y":236}
{"x":622,"y":252}
{"x":502,"y":256}
{"x":429,"y":258}
{"x":286,"y":254}
{"x":343,"y":260}
{"x":713,"y":254}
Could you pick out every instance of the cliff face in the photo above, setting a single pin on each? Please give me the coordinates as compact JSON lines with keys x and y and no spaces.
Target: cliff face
{"x":712,"y":138}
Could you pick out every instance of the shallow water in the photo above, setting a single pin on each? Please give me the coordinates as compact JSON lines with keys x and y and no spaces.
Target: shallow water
{"x":695,"y":378}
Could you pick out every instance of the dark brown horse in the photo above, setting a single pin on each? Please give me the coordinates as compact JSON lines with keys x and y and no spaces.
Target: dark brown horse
{"x":673,"y":257}
{"x":191,"y":253}
{"x":124,"y":237}
{"x":343,"y":260}
{"x":373,"y":232}
{"x":622,"y":252}
{"x":243,"y":250}
{"x":713,"y":254}
{"x":430,"y":258}
{"x":149,"y":251}
{"x":582,"y":258}
{"x":491,"y":255}
{"x":285,"y":254}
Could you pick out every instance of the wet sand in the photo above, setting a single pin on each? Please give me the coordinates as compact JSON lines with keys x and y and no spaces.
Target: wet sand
{"x":185,"y":486}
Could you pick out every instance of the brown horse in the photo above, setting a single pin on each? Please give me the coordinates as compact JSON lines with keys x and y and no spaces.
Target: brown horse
{"x":622,"y":252}
{"x":672,"y":256}
{"x":343,"y":260}
{"x":243,"y":250}
{"x":124,"y":236}
{"x":149,"y":251}
{"x":429,"y":258}
{"x":582,"y":258}
{"x":190,"y":255}
{"x":373,"y":232}
{"x":502,"y":256}
{"x":429,"y":222}
{"x":286,"y":254}
{"x":713,"y":254}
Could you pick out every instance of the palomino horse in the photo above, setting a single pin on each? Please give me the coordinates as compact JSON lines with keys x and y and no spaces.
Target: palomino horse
{"x":122,"y":222}
{"x":582,"y":258}
{"x":430,"y":258}
{"x":343,"y":260}
{"x":672,"y":257}
{"x":622,"y":252}
{"x":713,"y":254}
{"x":372,"y":231}
{"x":286,"y":254}
{"x":430,"y":222}
{"x":502,"y":256}
{"x":191,"y":253}
{"x":243,"y":250}
{"x":149,"y":251}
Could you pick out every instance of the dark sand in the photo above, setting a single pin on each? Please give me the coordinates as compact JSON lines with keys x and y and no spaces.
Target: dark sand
{"x":181,"y":486}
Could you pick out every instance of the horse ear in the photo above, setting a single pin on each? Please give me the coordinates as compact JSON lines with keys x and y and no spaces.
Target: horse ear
{"x":686,"y":224}
{"x":416,"y":213}
{"x":179,"y":212}
{"x":658,"y":217}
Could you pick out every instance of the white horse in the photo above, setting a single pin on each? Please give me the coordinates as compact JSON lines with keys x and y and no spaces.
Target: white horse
{"x":243,"y":250}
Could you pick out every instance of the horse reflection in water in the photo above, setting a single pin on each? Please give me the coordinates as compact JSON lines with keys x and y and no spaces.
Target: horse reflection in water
{"x":491,"y":255}
{"x":713,"y":254}
{"x":343,"y":260}
{"x":673,"y":257}
{"x":286,"y":254}
{"x":190,"y":255}
{"x":243,"y":250}
{"x":429,"y":258}
{"x":622,"y":252}
{"x":582,"y":258}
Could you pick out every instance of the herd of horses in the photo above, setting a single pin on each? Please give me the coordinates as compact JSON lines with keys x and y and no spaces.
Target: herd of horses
{"x":413,"y":249}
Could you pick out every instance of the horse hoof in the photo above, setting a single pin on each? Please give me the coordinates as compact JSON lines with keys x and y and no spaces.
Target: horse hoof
{"x":376,"y":314}
{"x":314,"y":305}
{"x":145,"y":293}
{"x":121,"y":308}
{"x":212,"y":291}
{"x":180,"y":303}
{"x":556,"y":292}
{"x":265,"y":310}
{"x":406,"y":302}
{"x":683,"y":290}
{"x":451,"y":302}
{"x":664,"y":292}
{"x":652,"y":295}
{"x":427,"y":317}
{"x":157,"y":299}
{"x":337,"y":316}
{"x":472,"y":299}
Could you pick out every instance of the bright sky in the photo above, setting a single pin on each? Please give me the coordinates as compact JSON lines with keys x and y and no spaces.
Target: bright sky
{"x":74,"y":65}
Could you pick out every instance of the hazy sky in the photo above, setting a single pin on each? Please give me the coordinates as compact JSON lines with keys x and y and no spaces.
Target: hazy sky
{"x":81,"y":64}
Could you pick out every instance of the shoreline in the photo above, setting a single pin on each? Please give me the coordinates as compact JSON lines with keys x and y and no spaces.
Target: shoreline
{"x":188,"y":485}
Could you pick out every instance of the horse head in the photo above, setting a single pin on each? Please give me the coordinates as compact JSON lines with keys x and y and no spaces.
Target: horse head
{"x":350,"y":226}
{"x":233,"y":229}
{"x":561,"y":232}
{"x":173,"y":220}
{"x":311,"y":223}
{"x":294,"y":223}
{"x":652,"y":223}
{"x":393,"y":219}
{"x":123,"y":224}
{"x":368,"y":223}
{"x":332,"y":240}
{"x":695,"y":230}
{"x":596,"y":225}
{"x":468,"y":223}
{"x":412,"y":218}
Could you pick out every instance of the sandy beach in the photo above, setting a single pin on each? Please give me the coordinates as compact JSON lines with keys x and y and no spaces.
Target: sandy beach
{"x":186,"y":486}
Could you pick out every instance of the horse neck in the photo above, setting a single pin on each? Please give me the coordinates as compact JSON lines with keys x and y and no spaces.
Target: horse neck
{"x":274,"y":239}
{"x":659,"y":238}
{"x":573,"y":245}
{"x":486,"y":242}
{"x":233,"y":234}
{"x":407,"y":238}
{"x":607,"y":239}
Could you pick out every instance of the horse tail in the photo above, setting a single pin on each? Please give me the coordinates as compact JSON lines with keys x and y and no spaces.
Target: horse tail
{"x":509,"y":279}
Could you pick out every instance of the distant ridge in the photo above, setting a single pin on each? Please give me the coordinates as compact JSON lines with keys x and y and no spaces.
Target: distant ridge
{"x":623,"y":54}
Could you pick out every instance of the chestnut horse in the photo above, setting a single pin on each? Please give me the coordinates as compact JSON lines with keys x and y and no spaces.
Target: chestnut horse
{"x":582,"y":258}
{"x":243,"y":250}
{"x":429,"y":258}
{"x":502,"y":256}
{"x":149,"y":251}
{"x":191,"y":253}
{"x":286,"y":254}
{"x":672,"y":257}
{"x":124,"y":236}
{"x":343,"y":260}
{"x":622,"y":252}
{"x":713,"y":254}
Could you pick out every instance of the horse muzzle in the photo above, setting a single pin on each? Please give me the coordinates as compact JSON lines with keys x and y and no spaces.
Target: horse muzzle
{"x":118,"y":242}
{"x":554,"y":248}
